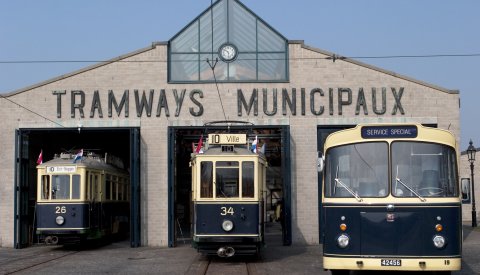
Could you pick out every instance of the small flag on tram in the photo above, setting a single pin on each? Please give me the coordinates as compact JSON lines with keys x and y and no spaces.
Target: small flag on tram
{"x":262,"y":149}
{"x":254,"y":144}
{"x":78,"y":156}
{"x":40,"y":158}
{"x":199,"y":146}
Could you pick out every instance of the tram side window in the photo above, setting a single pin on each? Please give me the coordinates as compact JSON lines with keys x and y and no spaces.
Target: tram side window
{"x":60,"y":187}
{"x":357,"y":170}
{"x":248,"y":189}
{"x":45,"y":186}
{"x":121,"y":185}
{"x":95,"y":188}
{"x":423,"y":169}
{"x":114,"y":187}
{"x":227,"y":179}
{"x":206,"y":181}
{"x":108,"y":188}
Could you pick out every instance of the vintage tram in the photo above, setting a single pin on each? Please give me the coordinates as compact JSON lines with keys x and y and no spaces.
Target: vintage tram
{"x":228,"y":183}
{"x":81,"y":198}
{"x":391,"y":199}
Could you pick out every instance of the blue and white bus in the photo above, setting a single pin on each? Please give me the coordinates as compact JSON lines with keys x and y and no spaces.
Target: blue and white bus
{"x":390,"y":199}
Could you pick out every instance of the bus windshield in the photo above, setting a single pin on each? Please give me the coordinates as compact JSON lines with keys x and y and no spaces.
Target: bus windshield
{"x":357,"y":170}
{"x":421,"y":169}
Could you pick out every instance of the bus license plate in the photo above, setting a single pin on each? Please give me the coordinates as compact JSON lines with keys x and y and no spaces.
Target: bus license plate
{"x":391,"y":262}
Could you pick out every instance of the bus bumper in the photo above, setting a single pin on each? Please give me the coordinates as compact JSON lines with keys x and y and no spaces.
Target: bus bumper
{"x":405,"y":264}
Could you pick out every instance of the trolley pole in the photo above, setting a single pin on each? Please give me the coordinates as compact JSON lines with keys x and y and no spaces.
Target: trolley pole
{"x":471,"y":158}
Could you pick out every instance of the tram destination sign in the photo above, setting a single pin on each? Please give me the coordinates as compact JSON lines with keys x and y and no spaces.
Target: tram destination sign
{"x":227,"y":138}
{"x":408,"y":131}
{"x":61,"y":169}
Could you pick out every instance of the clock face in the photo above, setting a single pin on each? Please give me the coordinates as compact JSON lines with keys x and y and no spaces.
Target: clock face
{"x":228,"y":52}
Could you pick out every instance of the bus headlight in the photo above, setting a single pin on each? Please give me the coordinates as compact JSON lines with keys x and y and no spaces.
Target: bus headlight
{"x":60,"y":220}
{"x":439,"y":241}
{"x":227,"y":225}
{"x":343,"y":240}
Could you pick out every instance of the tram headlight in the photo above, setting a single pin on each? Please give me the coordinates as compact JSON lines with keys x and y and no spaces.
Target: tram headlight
{"x":227,"y":225}
{"x":439,"y":241}
{"x":343,"y":240}
{"x":60,"y":220}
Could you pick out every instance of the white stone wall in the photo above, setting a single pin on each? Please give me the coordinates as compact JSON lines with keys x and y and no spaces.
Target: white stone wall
{"x":422,"y":103}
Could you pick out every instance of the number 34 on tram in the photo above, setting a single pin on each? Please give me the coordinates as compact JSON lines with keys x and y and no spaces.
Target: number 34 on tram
{"x":390,"y":199}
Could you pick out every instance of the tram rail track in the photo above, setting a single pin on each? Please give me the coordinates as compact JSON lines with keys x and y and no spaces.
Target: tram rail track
{"x":205,"y":265}
{"x":26,"y":263}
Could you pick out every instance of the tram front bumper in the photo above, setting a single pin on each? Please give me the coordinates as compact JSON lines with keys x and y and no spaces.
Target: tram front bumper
{"x":243,"y":245}
{"x":393,"y":263}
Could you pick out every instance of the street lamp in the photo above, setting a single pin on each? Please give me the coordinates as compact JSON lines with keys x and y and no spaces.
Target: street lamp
{"x":471,"y":158}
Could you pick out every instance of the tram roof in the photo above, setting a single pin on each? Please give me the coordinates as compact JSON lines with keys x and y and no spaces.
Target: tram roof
{"x":238,"y":151}
{"x":86,"y":161}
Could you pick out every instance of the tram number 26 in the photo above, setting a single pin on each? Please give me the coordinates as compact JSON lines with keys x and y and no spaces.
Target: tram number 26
{"x":60,"y":209}
{"x":226,"y":211}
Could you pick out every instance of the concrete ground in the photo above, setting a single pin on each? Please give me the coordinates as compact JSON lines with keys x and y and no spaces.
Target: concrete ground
{"x":119,"y":258}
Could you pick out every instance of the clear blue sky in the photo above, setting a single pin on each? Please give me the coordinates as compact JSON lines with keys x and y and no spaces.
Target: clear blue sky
{"x":39,"y":30}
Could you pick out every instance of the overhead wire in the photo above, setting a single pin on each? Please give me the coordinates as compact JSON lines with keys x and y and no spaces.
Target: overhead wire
{"x":337,"y":57}
{"x":31,"y":111}
{"x":213,"y":64}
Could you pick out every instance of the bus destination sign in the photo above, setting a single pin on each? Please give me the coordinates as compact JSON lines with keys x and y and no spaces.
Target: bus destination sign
{"x":407,"y":131}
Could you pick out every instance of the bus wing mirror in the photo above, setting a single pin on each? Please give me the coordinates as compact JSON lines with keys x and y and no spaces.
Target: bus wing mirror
{"x":465,"y":188}
{"x":320,"y":161}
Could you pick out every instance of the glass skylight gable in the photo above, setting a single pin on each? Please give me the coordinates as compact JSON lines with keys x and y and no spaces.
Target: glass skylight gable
{"x":261,"y":52}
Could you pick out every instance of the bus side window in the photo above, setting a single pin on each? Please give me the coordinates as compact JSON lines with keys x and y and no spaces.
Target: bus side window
{"x":465,"y":184}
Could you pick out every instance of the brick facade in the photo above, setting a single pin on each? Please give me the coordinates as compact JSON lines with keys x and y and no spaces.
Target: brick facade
{"x":421,"y":102}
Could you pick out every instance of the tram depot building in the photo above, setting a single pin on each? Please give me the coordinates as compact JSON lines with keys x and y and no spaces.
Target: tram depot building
{"x":148,"y":107}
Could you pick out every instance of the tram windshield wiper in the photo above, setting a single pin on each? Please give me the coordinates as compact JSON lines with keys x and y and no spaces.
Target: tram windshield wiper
{"x":408,"y":187}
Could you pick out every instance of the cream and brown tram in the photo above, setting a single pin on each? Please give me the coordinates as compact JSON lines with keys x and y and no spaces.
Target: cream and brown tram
{"x":228,"y":183}
{"x":81,"y":198}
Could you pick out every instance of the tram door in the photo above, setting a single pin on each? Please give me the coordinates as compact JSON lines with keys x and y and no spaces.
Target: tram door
{"x":25,"y":193}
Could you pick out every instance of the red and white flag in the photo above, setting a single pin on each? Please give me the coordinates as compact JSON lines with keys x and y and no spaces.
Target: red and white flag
{"x":40,"y":158}
{"x":199,"y":146}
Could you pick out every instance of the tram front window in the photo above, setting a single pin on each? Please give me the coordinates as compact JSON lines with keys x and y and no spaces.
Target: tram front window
{"x":60,"y":187}
{"x":227,"y":179}
{"x":357,"y":170}
{"x":422,"y":169}
{"x":75,"y":187}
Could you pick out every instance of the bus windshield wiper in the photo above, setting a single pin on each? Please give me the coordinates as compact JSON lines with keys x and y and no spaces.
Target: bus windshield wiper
{"x":410,"y":189}
{"x":349,"y":190}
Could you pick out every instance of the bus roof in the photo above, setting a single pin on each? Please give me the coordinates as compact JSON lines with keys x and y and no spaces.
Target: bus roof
{"x":390,"y":131}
